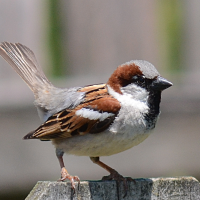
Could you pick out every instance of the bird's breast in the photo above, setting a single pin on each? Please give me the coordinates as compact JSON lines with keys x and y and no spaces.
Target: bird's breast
{"x":128,"y":129}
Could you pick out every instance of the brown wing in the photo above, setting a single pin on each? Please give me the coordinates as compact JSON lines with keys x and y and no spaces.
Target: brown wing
{"x":68,"y":124}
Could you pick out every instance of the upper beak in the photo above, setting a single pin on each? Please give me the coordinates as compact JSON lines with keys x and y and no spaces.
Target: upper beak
{"x":160,"y":84}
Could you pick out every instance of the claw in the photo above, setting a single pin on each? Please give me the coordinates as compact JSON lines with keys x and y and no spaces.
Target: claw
{"x":65,"y":175}
{"x":114,"y":175}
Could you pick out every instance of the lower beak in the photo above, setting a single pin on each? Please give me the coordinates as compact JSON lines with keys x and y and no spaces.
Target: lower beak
{"x":160,"y":84}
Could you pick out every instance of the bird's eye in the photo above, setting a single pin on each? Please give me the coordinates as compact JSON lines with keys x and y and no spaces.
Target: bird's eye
{"x":138,"y":79}
{"x":141,"y":79}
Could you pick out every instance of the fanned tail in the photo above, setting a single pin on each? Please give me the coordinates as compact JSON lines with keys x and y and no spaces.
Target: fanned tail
{"x":23,"y":61}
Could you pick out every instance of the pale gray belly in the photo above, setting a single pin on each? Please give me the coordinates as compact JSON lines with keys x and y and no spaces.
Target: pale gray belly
{"x":101,"y":144}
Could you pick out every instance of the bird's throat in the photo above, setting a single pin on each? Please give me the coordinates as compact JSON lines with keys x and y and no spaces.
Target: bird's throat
{"x":153,"y":101}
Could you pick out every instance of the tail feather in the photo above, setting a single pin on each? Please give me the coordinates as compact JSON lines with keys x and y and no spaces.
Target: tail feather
{"x":48,"y":99}
{"x":23,"y":61}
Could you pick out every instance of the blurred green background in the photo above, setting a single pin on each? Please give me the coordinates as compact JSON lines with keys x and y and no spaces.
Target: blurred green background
{"x":82,"y":42}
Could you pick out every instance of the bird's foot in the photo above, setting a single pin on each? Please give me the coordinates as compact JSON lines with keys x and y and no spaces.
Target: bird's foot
{"x":65,"y":175}
{"x":114,"y":175}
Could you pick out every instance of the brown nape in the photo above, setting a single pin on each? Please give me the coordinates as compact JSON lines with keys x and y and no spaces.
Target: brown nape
{"x":122,"y":76}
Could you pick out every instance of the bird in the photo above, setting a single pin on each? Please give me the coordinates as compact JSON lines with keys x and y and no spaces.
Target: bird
{"x":94,"y":120}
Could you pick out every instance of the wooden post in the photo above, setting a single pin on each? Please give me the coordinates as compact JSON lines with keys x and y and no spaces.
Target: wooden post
{"x":180,"y":188}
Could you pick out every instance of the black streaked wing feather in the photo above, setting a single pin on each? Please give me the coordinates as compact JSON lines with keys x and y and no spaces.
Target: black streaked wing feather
{"x":67,"y":124}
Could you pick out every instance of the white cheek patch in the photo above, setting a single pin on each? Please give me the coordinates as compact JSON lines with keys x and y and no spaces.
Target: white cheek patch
{"x":93,"y":114}
{"x":135,"y":102}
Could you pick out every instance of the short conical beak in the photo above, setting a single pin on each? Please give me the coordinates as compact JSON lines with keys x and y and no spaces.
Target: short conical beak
{"x":160,"y":84}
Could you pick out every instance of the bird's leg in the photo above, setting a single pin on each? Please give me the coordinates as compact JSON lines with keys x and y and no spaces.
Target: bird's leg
{"x":114,"y":175}
{"x":64,"y":173}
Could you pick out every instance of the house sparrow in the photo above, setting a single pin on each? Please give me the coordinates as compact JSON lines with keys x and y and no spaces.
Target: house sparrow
{"x":95,"y":120}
